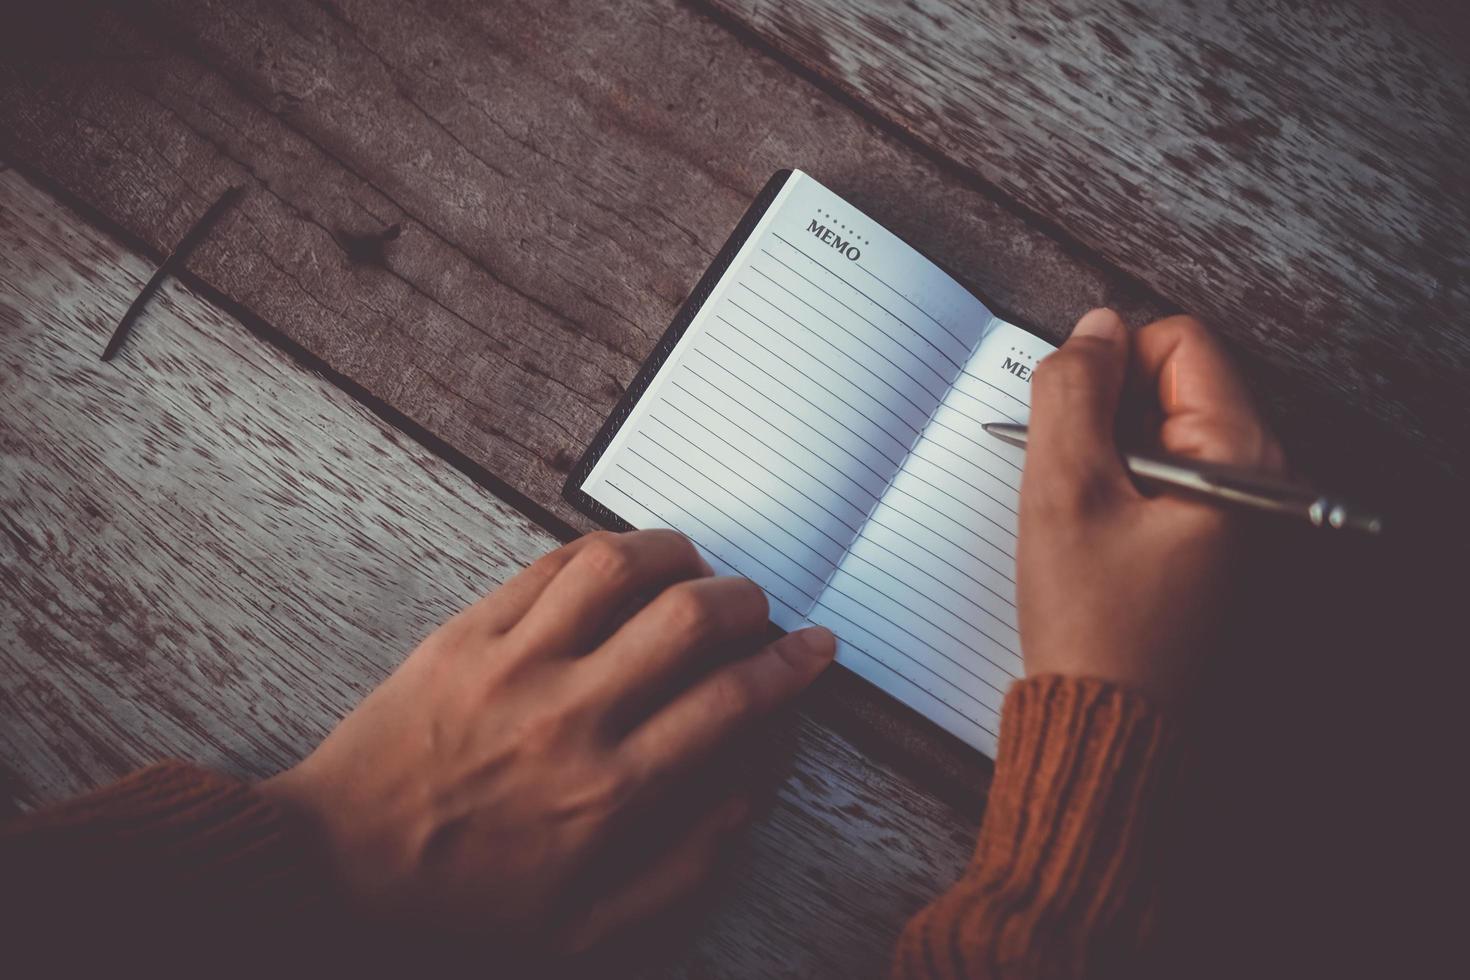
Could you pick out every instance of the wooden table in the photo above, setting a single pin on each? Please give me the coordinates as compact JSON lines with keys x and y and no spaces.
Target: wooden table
{"x":465,"y":226}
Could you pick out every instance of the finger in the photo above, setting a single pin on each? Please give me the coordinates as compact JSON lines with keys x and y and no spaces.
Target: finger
{"x":501,"y":609}
{"x":1207,"y":411}
{"x":1074,"y":405}
{"x":674,"y":876}
{"x":730,"y":698}
{"x":574,"y":608}
{"x":670,"y":636}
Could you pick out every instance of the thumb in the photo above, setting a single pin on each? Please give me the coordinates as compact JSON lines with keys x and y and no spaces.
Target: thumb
{"x":1074,"y":403}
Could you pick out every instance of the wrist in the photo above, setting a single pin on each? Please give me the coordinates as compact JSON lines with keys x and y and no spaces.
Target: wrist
{"x":297,"y":795}
{"x":1159,"y":660}
{"x":1081,"y":763}
{"x":371,"y":847}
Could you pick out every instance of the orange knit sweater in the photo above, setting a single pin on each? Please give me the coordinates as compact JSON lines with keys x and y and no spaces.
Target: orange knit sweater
{"x":175,"y":861}
{"x":1062,"y":880}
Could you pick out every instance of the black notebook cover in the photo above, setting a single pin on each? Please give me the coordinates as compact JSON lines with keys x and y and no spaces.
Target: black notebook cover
{"x":572,"y":490}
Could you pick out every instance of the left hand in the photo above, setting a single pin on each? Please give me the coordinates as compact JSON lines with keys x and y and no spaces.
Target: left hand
{"x":482,"y":786}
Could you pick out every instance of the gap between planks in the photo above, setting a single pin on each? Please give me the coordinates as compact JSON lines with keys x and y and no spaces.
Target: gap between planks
{"x":213,"y":554}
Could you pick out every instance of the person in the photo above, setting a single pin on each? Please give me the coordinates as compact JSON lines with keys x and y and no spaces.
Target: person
{"x":491,"y":786}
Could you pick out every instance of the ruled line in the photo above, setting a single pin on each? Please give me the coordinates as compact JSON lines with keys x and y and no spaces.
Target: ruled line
{"x":817,"y":600}
{"x":846,"y":549}
{"x":869,"y":511}
{"x":842,"y":279}
{"x":931,"y":414}
{"x":897,"y":463}
{"x":822,"y":483}
{"x":788,"y":456}
{"x":844,"y":545}
{"x":801,"y":299}
{"x":729,"y":564}
{"x":969,"y":462}
{"x":971,"y":374}
{"x":888,"y":527}
{"x":835,"y":612}
{"x":905,"y":297}
{"x":826,"y":340}
{"x":922,"y":360}
{"x":704,"y":499}
{"x":962,"y":526}
{"x":831,"y":581}
{"x":976,"y":442}
{"x":823,"y":604}
{"x":871,"y":656}
{"x":997,"y":500}
{"x":936,"y":557}
{"x":868,"y":395}
{"x":857,"y":459}
{"x":887,"y":666}
{"x":820,"y":554}
{"x":915,"y":430}
{"x":1003,"y":414}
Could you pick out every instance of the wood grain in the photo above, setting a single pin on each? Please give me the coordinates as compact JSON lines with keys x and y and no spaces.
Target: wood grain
{"x":547,"y":200}
{"x":477,"y":218}
{"x":210,"y":553}
{"x":1293,"y":172}
{"x":554,"y":199}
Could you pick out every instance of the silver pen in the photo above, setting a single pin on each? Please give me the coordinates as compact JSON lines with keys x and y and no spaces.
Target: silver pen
{"x":1233,"y":484}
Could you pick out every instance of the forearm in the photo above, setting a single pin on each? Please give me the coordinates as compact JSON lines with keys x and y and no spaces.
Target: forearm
{"x":1063,"y":877}
{"x":167,"y":864}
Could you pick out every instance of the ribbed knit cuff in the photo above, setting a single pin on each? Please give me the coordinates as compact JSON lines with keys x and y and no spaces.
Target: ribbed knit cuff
{"x":170,"y":859}
{"x":1064,"y":870}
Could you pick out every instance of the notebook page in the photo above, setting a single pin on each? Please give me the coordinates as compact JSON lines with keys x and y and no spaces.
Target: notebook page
{"x":928,"y":586}
{"x":786,"y":409}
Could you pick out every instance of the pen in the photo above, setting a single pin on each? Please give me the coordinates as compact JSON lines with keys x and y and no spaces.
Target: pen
{"x":1232,"y":484}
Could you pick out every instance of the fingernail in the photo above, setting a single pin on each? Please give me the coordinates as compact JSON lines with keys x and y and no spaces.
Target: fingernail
{"x":816,"y":643}
{"x":1101,"y":322}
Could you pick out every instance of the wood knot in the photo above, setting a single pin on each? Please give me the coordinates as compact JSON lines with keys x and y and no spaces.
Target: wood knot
{"x":369,"y":248}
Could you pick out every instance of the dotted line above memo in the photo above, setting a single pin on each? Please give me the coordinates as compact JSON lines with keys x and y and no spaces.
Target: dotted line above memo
{"x":844,"y":227}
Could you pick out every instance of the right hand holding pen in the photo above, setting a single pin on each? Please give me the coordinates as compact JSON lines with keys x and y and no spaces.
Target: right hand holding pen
{"x":1112,"y":583}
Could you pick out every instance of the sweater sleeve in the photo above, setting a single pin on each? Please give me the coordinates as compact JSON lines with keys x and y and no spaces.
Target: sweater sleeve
{"x":167,"y":864}
{"x":1063,"y":877}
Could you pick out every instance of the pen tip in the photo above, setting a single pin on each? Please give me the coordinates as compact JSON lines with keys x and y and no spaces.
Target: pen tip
{"x":988,"y":427}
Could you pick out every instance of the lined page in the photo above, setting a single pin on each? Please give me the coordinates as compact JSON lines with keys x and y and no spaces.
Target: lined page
{"x":818,"y":430}
{"x":787,"y":408}
{"x":928,"y":586}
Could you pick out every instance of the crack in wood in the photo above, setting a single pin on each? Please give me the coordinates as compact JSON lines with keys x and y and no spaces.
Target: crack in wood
{"x":160,"y":24}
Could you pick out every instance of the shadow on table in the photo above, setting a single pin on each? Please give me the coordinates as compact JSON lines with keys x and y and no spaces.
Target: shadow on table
{"x":1317,"y":837}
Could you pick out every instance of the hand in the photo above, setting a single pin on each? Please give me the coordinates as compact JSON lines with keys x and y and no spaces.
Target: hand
{"x":477,"y":789}
{"x":1112,"y":583}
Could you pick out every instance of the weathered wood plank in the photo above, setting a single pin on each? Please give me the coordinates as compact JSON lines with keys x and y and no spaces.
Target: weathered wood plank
{"x":553,"y":199}
{"x":507,"y":314}
{"x":210,"y":553}
{"x":1294,"y":172}
{"x":207,"y":552}
{"x":551,"y":214}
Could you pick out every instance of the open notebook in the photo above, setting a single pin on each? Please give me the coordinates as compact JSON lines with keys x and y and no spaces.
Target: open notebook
{"x":812,"y":421}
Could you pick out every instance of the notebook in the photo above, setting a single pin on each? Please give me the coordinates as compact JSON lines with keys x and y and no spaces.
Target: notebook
{"x":812,"y":421}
